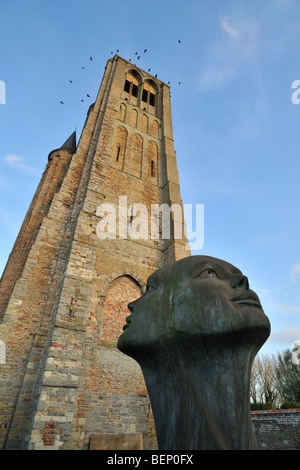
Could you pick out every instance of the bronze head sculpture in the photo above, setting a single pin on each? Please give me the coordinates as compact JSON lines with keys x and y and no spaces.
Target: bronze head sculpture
{"x":195,"y":333}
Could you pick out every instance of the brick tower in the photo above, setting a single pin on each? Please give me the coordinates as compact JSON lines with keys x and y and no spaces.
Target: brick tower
{"x":65,"y":289}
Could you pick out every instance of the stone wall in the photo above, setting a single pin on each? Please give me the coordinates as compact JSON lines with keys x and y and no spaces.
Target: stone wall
{"x":64,"y":379}
{"x":277,"y":429}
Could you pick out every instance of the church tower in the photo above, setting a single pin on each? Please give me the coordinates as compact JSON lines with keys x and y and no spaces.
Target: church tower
{"x":82,"y":254}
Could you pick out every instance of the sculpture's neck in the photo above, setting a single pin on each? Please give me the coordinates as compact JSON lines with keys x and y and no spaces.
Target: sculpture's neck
{"x":205,"y":405}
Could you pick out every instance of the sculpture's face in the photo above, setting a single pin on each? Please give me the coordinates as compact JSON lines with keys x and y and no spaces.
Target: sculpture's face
{"x":195,"y":297}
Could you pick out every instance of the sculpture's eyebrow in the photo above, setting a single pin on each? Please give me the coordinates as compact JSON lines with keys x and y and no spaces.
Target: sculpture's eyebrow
{"x":202,"y":265}
{"x":220,"y":269}
{"x":236,"y":271}
{"x":153,"y":280}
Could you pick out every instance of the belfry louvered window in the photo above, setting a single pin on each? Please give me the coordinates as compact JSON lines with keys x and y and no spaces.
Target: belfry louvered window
{"x":131,"y":86}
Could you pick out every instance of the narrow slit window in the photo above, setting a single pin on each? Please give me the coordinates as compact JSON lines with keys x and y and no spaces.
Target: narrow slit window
{"x":118,"y":153}
{"x":131,"y":216}
{"x":152,"y":168}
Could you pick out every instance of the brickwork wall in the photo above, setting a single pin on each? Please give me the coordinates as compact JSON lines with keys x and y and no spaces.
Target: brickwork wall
{"x":47,"y":188}
{"x":120,"y":292}
{"x":277,"y":429}
{"x":26,"y":327}
{"x":69,"y":380}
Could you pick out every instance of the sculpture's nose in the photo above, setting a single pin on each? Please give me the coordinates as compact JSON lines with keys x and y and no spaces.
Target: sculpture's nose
{"x":240,"y":282}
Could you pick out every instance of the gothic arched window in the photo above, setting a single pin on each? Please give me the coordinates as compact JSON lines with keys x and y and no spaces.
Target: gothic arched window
{"x":131,"y":86}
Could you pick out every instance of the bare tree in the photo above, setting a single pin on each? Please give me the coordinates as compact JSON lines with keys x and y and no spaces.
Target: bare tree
{"x":263,"y":385}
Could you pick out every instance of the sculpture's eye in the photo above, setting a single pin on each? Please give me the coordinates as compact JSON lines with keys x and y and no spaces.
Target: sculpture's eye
{"x":150,"y":288}
{"x":209,"y":272}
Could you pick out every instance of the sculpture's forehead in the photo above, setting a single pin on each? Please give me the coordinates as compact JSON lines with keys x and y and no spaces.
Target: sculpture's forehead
{"x":189,"y":267}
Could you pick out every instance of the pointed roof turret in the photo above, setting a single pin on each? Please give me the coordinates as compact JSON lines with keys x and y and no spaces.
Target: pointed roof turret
{"x":70,"y":143}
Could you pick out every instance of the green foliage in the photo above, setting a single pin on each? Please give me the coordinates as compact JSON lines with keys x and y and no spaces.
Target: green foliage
{"x":286,"y":405}
{"x":258,"y":406}
{"x":261,"y":406}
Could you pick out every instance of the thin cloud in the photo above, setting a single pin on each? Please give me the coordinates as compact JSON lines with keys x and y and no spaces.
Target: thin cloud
{"x":230,"y":58}
{"x":229,"y":29}
{"x":288,"y":308}
{"x":215,"y":78}
{"x":18,"y":162}
{"x":295,"y":272}
{"x":285,"y":336}
{"x":15,"y":161}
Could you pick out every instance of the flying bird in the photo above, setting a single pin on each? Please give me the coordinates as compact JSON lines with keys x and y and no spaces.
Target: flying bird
{"x":88,"y":95}
{"x":149,"y":70}
{"x":70,"y":81}
{"x":82,"y":101}
{"x":136,"y":53}
{"x":145,"y":51}
{"x":179,"y":41}
{"x":61,"y":102}
{"x":156,"y":76}
{"x":82,"y":67}
{"x":91,"y":58}
{"x":138,"y":57}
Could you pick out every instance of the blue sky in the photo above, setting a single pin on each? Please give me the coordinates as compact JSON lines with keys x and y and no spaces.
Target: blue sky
{"x":236,"y":129}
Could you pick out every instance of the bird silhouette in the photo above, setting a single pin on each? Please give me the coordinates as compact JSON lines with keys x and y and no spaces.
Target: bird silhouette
{"x":61,"y":102}
{"x":70,"y":81}
{"x":117,"y":50}
{"x":145,"y":51}
{"x":179,"y":41}
{"x":136,"y":53}
{"x":138,"y":57}
{"x":82,"y":67}
{"x":156,"y":76}
{"x":149,"y":70}
{"x":91,"y":58}
{"x":82,"y":101}
{"x":88,"y":95}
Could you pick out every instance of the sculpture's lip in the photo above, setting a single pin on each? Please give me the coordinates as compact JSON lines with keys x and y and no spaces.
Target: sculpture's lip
{"x":248,"y":302}
{"x":248,"y":297}
{"x":128,"y":321}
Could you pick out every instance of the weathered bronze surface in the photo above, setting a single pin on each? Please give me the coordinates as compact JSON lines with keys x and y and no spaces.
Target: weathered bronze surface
{"x":195,"y":333}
